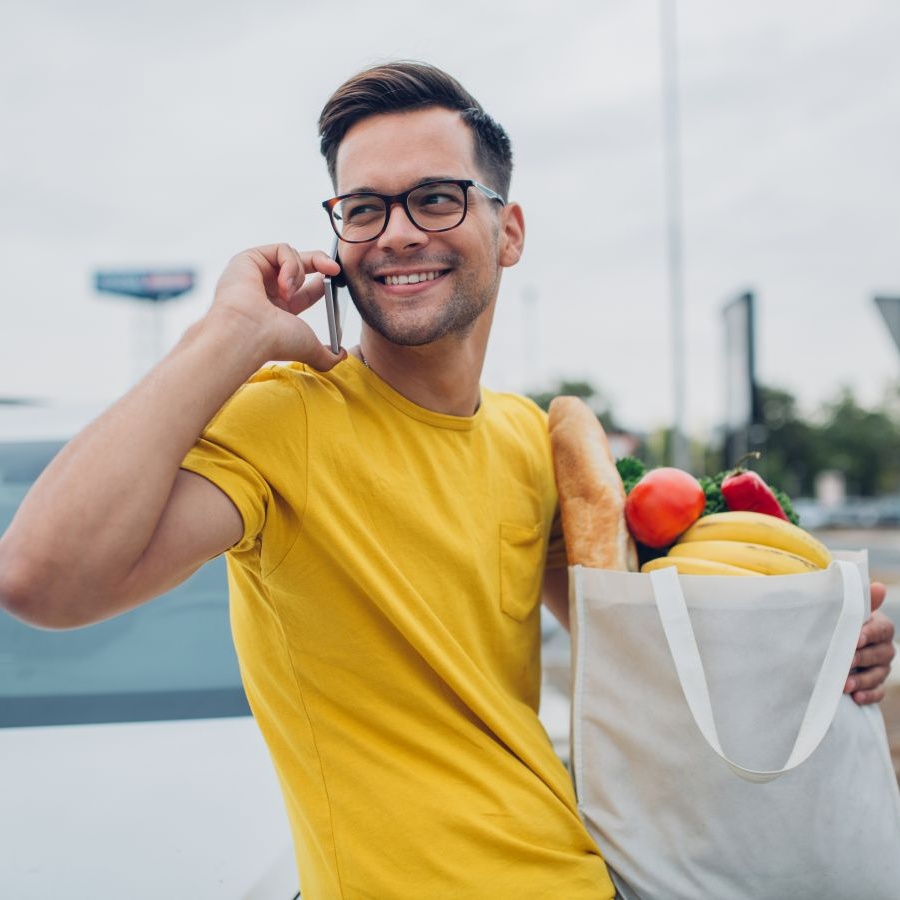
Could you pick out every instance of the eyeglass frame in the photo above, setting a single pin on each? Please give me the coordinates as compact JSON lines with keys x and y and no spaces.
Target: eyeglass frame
{"x":403,"y":199}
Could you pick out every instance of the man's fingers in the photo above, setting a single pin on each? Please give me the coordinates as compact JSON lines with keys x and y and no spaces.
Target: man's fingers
{"x":285,"y":269}
{"x":872,"y":660}
{"x":863,"y":698}
{"x":880,"y":654}
{"x":868,"y":682}
{"x":322,"y":359}
{"x":878,"y":592}
{"x":300,"y":279}
{"x":294,"y":267}
{"x":311,"y":290}
{"x":878,"y":629}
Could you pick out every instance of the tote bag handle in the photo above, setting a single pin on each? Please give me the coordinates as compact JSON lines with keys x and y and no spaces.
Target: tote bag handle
{"x":826,"y":693}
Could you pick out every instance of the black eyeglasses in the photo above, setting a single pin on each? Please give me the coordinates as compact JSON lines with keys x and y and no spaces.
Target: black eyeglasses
{"x":432,"y":206}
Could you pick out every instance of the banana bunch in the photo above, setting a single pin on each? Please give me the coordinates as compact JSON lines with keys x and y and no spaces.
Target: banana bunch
{"x":743,"y":543}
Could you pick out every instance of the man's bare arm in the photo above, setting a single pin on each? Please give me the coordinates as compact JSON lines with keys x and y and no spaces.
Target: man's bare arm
{"x":113,"y":520}
{"x":556,"y":594}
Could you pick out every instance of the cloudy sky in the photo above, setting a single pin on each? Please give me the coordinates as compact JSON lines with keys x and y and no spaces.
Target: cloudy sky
{"x":177,"y":133}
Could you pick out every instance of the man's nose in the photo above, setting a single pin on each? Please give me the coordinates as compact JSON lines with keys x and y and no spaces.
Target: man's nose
{"x":400,"y":230}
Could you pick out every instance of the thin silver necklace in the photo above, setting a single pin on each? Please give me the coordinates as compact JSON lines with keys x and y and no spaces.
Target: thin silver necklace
{"x":362,"y":356}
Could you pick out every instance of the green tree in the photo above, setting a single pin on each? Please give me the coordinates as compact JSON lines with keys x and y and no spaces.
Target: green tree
{"x":862,"y":444}
{"x":890,"y":403}
{"x":584,"y":389}
{"x":791,"y":446}
{"x":602,"y":409}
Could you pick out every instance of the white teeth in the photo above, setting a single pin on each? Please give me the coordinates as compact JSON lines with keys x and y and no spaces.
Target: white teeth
{"x":414,"y":278}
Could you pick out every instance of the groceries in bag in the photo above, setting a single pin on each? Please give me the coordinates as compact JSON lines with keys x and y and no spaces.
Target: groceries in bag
{"x":591,"y":493}
{"x":681,"y":809}
{"x":617,"y":512}
{"x":744,"y":543}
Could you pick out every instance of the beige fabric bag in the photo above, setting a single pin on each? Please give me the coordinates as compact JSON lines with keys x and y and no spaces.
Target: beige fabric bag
{"x":713,"y":751}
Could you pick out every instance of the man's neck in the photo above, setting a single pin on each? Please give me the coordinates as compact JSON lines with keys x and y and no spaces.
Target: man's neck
{"x":443,"y":377}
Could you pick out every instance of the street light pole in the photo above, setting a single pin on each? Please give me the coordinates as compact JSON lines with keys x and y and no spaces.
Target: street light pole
{"x":675,"y":255}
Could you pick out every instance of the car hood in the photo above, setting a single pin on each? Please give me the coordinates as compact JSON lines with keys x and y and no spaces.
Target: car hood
{"x":143,"y":810}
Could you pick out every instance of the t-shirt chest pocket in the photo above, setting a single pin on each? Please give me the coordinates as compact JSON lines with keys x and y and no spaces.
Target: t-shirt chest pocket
{"x":521,"y":569}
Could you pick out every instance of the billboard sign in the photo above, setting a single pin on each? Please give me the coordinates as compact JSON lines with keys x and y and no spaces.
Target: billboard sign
{"x":740,"y":375}
{"x":153,"y":285}
{"x":890,"y":309}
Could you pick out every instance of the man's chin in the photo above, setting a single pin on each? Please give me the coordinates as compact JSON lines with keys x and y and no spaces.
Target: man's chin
{"x":410,"y":327}
{"x":403,"y":335}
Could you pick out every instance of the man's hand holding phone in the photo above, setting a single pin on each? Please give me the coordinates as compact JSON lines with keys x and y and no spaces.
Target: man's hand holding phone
{"x":265,"y":289}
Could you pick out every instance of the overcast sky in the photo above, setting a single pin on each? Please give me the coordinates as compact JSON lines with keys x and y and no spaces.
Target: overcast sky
{"x":177,"y":133}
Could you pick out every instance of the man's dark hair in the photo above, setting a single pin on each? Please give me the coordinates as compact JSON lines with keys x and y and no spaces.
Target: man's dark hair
{"x":403,"y":86}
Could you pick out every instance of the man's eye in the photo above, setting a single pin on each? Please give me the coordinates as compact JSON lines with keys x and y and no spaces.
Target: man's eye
{"x":356,"y":211}
{"x":438,"y":198}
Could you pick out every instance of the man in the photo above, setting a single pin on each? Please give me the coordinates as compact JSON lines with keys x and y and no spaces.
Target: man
{"x":387,"y":520}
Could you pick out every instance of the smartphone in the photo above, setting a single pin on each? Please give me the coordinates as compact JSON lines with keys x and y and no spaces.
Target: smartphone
{"x":332,"y":304}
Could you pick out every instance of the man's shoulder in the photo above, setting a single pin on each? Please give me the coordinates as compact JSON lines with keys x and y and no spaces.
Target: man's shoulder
{"x":277,"y":394}
{"x":292,"y":382}
{"x":288,"y":376}
{"x":520,"y":420}
{"x":517,"y":407}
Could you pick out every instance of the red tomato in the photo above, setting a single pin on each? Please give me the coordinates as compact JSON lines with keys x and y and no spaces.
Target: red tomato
{"x":662,"y":505}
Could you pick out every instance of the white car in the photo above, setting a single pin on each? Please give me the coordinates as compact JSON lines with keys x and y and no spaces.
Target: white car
{"x":130,"y":766}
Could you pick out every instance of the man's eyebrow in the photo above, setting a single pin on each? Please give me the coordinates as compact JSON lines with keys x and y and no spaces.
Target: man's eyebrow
{"x":368,"y":189}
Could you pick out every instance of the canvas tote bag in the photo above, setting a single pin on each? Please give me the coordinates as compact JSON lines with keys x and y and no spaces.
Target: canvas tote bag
{"x":713,"y":751}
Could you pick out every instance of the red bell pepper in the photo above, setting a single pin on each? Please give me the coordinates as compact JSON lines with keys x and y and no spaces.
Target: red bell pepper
{"x":746,"y":490}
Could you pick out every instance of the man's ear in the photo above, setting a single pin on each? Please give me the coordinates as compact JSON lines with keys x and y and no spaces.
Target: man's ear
{"x":512,"y":234}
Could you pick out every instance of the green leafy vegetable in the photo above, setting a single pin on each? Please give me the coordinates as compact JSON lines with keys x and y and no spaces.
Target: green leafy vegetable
{"x":712,"y":487}
{"x":631,"y":470}
{"x":784,"y":501}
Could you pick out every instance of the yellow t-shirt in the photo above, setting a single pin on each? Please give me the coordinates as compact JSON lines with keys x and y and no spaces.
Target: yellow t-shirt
{"x":385,"y":610}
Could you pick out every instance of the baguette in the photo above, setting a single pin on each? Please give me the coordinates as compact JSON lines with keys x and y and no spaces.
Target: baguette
{"x":591,"y":493}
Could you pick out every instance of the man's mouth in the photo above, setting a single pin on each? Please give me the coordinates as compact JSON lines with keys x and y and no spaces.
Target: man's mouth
{"x":411,"y":277}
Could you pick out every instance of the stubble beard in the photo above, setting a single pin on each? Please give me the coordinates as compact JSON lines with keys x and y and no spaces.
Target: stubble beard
{"x":404,"y":327}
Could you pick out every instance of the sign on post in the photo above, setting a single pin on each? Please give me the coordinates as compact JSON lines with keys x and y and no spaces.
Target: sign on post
{"x":890,"y":309}
{"x":742,"y":412}
{"x":154,"y":285}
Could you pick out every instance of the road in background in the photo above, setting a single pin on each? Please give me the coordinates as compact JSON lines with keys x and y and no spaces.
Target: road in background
{"x":883,"y":546}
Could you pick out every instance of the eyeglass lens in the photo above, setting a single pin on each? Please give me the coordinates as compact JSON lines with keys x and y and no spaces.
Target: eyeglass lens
{"x":432,"y":207}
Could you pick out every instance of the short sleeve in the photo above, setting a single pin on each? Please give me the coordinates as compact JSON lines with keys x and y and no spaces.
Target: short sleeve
{"x":244,"y":486}
{"x":234,"y":450}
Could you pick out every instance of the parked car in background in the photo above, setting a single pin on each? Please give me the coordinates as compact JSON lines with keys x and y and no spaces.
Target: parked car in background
{"x":889,"y":511}
{"x":850,"y":513}
{"x":130,"y":766}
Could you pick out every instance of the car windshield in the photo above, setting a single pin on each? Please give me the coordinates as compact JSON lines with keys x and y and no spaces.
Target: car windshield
{"x":172,"y":658}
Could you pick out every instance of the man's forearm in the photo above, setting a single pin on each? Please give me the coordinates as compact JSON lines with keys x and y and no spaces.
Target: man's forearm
{"x":91,"y":515}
